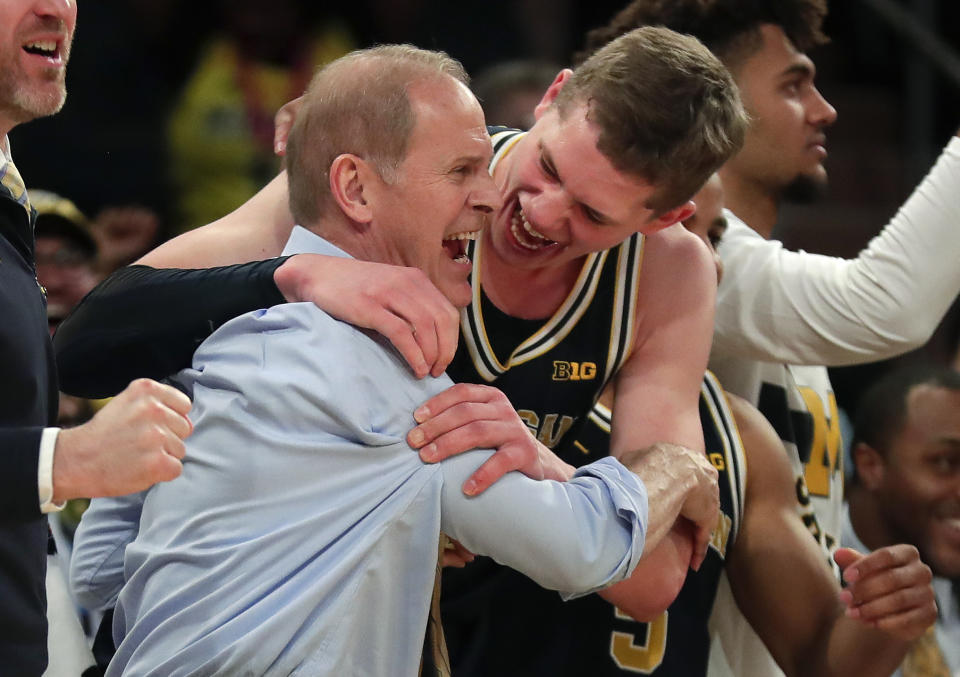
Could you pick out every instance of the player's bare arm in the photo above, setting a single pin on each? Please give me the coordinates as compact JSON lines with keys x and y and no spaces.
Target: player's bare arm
{"x":785,"y":588}
{"x":657,"y":390}
{"x":658,"y":578}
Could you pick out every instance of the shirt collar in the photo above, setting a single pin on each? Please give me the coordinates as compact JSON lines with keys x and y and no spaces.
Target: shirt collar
{"x":303,"y":241}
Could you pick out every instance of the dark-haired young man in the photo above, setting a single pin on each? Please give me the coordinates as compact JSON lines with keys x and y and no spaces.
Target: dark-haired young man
{"x":906,"y":488}
{"x":782,"y":315}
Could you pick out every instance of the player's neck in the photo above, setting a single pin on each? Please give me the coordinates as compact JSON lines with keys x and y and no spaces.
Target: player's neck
{"x":528,"y":294}
{"x":754,"y":204}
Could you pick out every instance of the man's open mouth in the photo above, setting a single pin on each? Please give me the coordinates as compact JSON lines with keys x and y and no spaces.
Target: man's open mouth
{"x":456,"y":245}
{"x":47,"y":48}
{"x":524,"y":233}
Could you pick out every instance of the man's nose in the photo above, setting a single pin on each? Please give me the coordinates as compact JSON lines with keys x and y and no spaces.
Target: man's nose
{"x":485,"y":197}
{"x":549,"y":210}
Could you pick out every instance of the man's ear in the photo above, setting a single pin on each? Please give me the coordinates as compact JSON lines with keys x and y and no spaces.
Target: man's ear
{"x":350,"y":184}
{"x":668,"y":218}
{"x":870,"y":466}
{"x":551,"y":93}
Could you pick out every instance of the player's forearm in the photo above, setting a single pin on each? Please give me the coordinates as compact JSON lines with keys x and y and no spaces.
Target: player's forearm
{"x":850,"y":647}
{"x":143,"y":321}
{"x":658,"y":578}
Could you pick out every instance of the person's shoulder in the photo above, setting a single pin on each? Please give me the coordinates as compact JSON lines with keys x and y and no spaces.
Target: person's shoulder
{"x":306,"y":335}
{"x":673,"y":239}
{"x":675,"y":249}
{"x":737,"y":229}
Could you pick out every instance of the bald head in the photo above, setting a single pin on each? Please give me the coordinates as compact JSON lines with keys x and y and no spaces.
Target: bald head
{"x":358,"y":104}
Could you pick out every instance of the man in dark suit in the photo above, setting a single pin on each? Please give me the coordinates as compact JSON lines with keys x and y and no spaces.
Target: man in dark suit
{"x":132,"y":443}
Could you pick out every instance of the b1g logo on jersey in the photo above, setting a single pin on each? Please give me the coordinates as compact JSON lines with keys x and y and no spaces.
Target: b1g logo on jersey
{"x":574,"y":371}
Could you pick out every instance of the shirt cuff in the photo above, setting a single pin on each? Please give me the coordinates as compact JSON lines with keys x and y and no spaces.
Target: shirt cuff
{"x":48,"y":443}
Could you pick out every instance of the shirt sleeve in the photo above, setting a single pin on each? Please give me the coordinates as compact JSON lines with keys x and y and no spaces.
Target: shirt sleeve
{"x":48,"y":445}
{"x":776,"y":305}
{"x":96,"y":562}
{"x":575,"y":537}
{"x":144,"y":321}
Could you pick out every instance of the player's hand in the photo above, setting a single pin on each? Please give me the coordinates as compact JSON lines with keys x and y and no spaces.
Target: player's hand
{"x":455,"y":555}
{"x":888,"y":589}
{"x":469,"y":416}
{"x":282,"y":122}
{"x":135,"y":441}
{"x":400,"y":303}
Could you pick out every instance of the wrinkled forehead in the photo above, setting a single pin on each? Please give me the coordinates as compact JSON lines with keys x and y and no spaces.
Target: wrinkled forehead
{"x":448,"y":121}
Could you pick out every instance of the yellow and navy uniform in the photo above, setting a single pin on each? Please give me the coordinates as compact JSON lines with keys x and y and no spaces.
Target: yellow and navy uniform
{"x":589,"y":636}
{"x":552,"y":370}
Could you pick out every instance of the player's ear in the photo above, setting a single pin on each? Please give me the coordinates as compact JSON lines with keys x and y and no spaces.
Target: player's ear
{"x":551,"y":93}
{"x":350,"y":186}
{"x":870,"y":466}
{"x":670,"y":217}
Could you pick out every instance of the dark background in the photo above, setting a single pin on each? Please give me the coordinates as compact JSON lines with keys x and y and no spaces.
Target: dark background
{"x":131,"y":57}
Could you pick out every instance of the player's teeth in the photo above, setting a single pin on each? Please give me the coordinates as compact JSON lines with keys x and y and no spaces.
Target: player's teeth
{"x":521,"y":239}
{"x":527,"y":227}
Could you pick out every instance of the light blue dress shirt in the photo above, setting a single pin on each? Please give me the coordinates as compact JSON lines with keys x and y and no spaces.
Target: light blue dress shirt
{"x":302,"y":535}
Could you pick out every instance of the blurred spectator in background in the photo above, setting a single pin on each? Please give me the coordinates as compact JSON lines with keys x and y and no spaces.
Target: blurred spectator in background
{"x":509,"y":91}
{"x":123,"y":235}
{"x":65,"y":254}
{"x":906,"y":489}
{"x":220,"y":130}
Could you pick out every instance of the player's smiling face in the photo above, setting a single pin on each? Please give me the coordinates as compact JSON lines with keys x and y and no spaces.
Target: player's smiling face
{"x":920,"y":490}
{"x":35,"y":40}
{"x":562,"y":197}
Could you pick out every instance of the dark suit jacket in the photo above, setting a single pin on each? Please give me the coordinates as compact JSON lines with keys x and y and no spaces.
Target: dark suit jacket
{"x":28,"y":403}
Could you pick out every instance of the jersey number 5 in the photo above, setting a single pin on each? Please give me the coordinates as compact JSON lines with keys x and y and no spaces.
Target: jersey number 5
{"x":640,"y":658}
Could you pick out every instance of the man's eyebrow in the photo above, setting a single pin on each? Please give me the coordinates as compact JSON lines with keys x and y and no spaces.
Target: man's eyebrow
{"x":548,"y":160}
{"x":545,"y":154}
{"x":800,"y":68}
